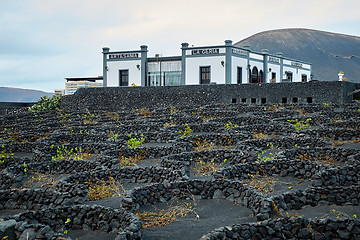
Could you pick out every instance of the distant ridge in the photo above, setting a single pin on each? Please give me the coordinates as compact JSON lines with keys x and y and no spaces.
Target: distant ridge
{"x":328,"y":52}
{"x":21,"y":95}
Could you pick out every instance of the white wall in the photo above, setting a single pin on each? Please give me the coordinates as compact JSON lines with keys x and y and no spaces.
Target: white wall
{"x":257,"y":56}
{"x":239,"y":62}
{"x":193,"y":65}
{"x":296,"y":73}
{"x":115,"y":66}
{"x":274,"y":68}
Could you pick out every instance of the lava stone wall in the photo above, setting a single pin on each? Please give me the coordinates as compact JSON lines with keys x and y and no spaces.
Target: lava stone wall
{"x":5,"y":107}
{"x":116,"y":98}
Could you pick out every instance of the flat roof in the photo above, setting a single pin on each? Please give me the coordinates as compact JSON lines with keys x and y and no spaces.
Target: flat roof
{"x":90,"y":79}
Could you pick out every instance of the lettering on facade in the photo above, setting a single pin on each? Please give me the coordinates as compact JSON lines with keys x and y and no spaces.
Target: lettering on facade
{"x":123,"y":55}
{"x":205,"y":51}
{"x":296,"y":64}
{"x":274,"y":59}
{"x":240,"y":52}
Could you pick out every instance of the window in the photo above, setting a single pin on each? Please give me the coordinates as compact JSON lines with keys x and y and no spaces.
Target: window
{"x":273,"y":77}
{"x":284,"y":100}
{"x":289,"y":76}
{"x":123,"y":77}
{"x":263,"y":100}
{"x":233,"y":100}
{"x":309,"y":100}
{"x":303,"y":78}
{"x":204,"y":75}
{"x":253,"y":100}
{"x":295,"y":100}
{"x":243,"y":100}
{"x":239,"y":75}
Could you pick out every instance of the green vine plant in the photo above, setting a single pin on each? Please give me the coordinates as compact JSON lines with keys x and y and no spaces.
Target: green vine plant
{"x":186,"y":132}
{"x":63,"y":152}
{"x":89,"y":118}
{"x":66,"y":225}
{"x":300,"y":125}
{"x":25,"y":167}
{"x":112,"y":135}
{"x":268,"y":154}
{"x":135,"y":142}
{"x":230,"y":125}
{"x":4,"y":153}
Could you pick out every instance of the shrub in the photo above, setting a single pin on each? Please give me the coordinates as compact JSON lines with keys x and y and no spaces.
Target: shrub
{"x":47,"y":104}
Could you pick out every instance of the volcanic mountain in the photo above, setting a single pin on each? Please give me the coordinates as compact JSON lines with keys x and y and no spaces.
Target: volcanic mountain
{"x":328,"y":52}
{"x":21,"y":95}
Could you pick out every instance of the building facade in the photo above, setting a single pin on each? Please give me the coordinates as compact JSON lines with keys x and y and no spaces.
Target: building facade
{"x":225,"y":64}
{"x":73,"y":84}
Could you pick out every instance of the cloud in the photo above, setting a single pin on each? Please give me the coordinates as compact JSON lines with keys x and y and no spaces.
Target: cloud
{"x":43,"y":42}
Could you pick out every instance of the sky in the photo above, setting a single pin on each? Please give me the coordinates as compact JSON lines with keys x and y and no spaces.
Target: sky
{"x":44,"y":41}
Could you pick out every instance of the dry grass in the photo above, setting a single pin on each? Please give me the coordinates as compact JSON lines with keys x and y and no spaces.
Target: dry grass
{"x":107,"y":189}
{"x":131,"y":161}
{"x":259,"y":134}
{"x":324,"y":158}
{"x":40,"y":180}
{"x":169,"y":124}
{"x":112,"y":115}
{"x":165,"y":217}
{"x":202,"y":145}
{"x":145,"y":112}
{"x":265,"y":184}
{"x":206,"y":168}
{"x":338,"y":143}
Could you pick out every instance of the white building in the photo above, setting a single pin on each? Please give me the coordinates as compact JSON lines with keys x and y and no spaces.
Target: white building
{"x":225,"y":64}
{"x":73,"y":84}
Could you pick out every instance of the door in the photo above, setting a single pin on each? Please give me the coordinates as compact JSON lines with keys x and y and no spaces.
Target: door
{"x":123,"y":78}
{"x":204,"y":75}
{"x":239,"y":75}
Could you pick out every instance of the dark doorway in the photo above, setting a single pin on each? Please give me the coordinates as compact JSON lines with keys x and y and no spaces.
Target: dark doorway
{"x":255,"y":75}
{"x":239,"y":75}
{"x":123,"y":78}
{"x":304,"y":78}
{"x":261,"y":75}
